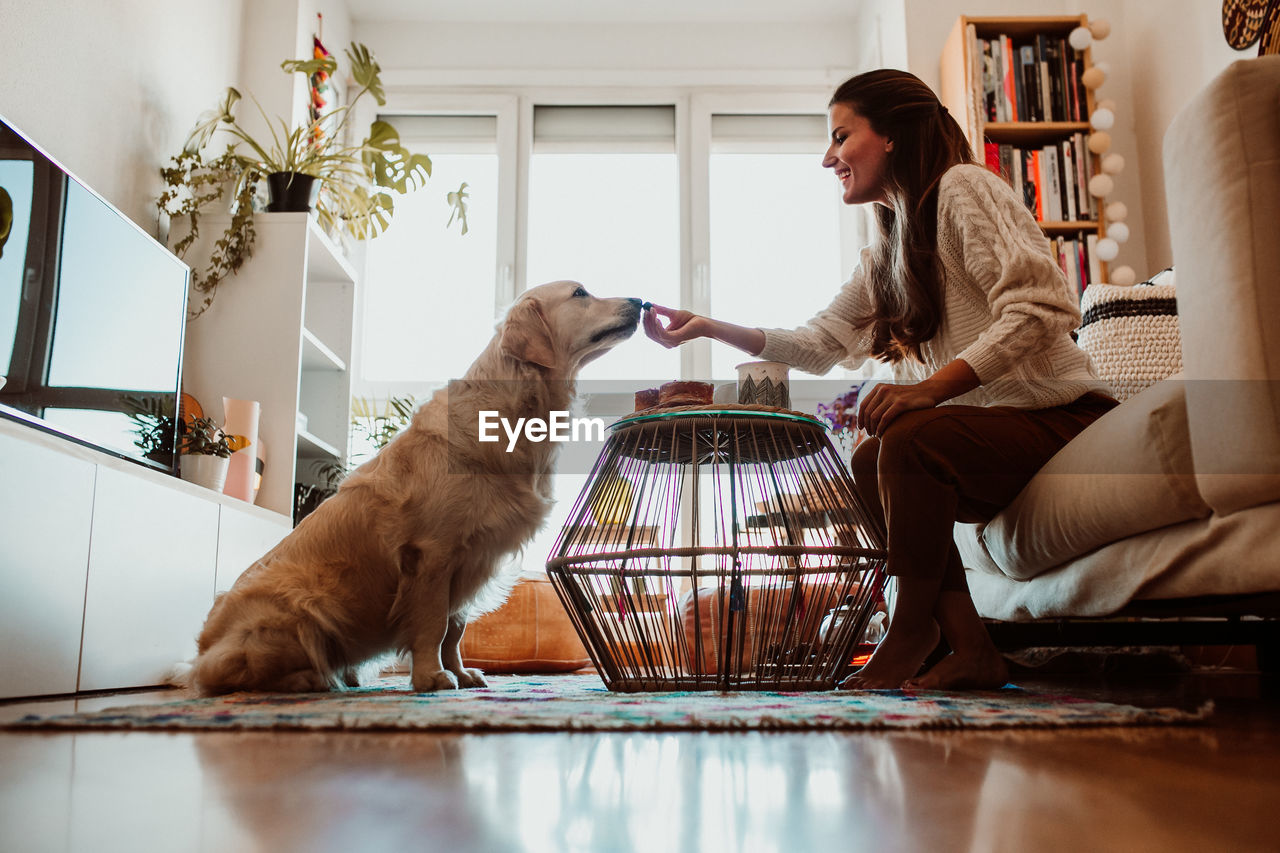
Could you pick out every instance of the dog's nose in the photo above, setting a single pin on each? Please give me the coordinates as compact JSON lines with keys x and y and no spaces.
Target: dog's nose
{"x":635,"y":303}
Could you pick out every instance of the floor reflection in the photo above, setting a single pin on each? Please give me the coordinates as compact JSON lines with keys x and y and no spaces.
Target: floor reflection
{"x":1121,"y":788}
{"x":623,"y":792}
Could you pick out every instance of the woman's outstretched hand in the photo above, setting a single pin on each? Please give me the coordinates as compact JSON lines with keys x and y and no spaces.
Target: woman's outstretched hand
{"x":681,"y":326}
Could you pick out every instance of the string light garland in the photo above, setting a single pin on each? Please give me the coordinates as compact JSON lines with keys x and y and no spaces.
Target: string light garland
{"x":1101,"y":120}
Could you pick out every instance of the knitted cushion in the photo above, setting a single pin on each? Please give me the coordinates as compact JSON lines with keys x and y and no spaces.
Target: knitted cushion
{"x":1132,"y":335}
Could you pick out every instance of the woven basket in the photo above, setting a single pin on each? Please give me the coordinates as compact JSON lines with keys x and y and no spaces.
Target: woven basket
{"x":1132,"y":335}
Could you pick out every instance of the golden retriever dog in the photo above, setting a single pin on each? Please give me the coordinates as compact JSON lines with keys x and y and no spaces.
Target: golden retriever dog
{"x":411,"y":544}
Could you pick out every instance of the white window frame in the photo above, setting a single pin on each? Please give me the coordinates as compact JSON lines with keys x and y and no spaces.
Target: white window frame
{"x":503,"y":107}
{"x":702,"y":108}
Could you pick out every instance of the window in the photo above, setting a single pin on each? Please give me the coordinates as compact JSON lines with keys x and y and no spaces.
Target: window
{"x":430,"y":291}
{"x":774,"y":222}
{"x":604,"y":209}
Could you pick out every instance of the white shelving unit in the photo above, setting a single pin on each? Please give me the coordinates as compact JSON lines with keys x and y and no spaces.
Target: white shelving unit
{"x":83,"y":533}
{"x":280,"y":332}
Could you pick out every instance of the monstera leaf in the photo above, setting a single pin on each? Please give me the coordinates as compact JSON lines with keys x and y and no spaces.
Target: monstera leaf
{"x":366,"y":71}
{"x":391,"y":164}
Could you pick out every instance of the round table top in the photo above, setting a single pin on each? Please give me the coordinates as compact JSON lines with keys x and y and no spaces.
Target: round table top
{"x":730,"y":410}
{"x":700,"y":435}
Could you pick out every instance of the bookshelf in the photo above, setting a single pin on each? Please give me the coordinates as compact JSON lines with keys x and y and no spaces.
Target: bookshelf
{"x":280,"y":332}
{"x":1017,"y":87}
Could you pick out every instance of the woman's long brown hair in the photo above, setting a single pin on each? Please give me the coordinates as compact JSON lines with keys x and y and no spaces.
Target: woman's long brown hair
{"x":905,"y":275}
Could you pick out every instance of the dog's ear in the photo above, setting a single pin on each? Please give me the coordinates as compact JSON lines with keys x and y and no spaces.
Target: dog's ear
{"x":526,"y":335}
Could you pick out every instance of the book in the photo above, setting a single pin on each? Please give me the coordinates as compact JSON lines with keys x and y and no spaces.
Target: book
{"x":1070,"y":185}
{"x":1034,"y":195}
{"x":1008,"y":157}
{"x":1012,"y":84}
{"x":990,"y":103}
{"x":991,"y":151}
{"x":1080,"y":158}
{"x":1051,"y":184}
{"x":1095,"y":266}
{"x":1081,"y":95}
{"x":1057,"y":79}
{"x":1042,"y":77}
{"x":1028,"y":76}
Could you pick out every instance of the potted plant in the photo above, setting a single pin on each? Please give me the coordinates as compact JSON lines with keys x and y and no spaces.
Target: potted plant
{"x":376,"y":426}
{"x":352,"y":185}
{"x":204,"y":451}
{"x":153,"y":426}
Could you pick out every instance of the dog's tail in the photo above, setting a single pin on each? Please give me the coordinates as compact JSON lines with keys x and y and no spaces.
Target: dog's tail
{"x":223,"y":668}
{"x":179,"y":675}
{"x":266,"y":658}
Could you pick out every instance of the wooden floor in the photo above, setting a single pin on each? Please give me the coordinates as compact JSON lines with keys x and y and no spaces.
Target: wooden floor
{"x":1212,"y":787}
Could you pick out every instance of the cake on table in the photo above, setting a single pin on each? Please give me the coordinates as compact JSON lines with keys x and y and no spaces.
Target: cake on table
{"x":646,"y":399}
{"x":682,"y":393}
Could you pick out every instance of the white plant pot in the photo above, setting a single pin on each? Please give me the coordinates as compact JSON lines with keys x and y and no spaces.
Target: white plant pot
{"x":204,"y":469}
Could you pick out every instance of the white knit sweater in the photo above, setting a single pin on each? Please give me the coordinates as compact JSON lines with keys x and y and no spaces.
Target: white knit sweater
{"x":1007,"y":307}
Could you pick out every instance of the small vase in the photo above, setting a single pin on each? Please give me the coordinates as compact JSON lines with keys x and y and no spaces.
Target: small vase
{"x":204,"y":470}
{"x":292,"y":192}
{"x":241,"y":418}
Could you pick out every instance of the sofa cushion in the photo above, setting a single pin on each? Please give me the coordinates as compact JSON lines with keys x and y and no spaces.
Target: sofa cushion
{"x":1128,"y":472}
{"x":1222,"y":175}
{"x":1178,"y":561}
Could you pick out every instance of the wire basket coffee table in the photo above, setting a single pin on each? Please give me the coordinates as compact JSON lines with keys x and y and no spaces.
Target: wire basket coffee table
{"x":720,"y":548}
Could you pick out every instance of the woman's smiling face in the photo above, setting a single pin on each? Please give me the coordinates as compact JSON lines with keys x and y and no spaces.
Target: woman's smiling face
{"x":857,"y":154}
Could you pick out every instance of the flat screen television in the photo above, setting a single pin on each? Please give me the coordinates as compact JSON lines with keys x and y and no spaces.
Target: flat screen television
{"x":92,"y":313}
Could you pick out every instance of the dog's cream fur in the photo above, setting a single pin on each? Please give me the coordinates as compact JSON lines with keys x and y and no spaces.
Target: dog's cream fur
{"x":400,"y":556}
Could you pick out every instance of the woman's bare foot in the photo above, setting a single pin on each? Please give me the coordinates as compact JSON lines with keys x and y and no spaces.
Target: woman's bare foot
{"x":981,"y":670}
{"x":895,"y":660}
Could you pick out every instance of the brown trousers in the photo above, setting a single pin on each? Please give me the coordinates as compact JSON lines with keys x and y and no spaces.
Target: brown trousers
{"x":934,"y":467}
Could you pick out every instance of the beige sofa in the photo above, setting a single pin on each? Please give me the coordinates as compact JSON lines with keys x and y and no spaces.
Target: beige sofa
{"x":1175,"y":494}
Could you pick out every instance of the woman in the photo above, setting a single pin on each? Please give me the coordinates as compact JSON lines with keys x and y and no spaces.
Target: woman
{"x":960,"y":293}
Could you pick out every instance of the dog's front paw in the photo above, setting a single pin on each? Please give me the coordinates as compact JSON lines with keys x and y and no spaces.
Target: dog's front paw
{"x":429,"y":682}
{"x":471,"y":678}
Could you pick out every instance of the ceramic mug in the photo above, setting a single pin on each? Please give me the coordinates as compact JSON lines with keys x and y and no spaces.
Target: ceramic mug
{"x":764,"y":383}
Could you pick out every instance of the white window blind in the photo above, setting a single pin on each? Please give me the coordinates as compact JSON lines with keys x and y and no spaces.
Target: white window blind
{"x":624,"y":129}
{"x":791,"y":134}
{"x":454,"y":133}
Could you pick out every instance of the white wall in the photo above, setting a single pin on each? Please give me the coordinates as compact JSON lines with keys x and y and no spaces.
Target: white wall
{"x":110,"y":89}
{"x":273,"y":31}
{"x":1168,"y":65}
{"x":641,"y":54}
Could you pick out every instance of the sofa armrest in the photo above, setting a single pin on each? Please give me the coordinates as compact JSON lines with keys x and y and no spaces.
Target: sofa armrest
{"x":1222,"y":174}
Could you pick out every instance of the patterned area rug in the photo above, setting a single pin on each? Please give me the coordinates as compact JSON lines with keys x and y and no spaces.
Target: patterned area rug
{"x":581,"y":702}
